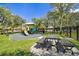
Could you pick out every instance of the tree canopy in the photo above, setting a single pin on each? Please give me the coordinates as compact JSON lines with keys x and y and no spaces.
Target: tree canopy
{"x":7,"y":19}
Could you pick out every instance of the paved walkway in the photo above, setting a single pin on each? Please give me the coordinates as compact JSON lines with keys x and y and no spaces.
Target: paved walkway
{"x":19,"y":36}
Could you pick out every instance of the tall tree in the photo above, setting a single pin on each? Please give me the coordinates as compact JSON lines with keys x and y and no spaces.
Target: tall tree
{"x":53,"y":19}
{"x":7,"y":19}
{"x":4,"y":17}
{"x":63,"y":9}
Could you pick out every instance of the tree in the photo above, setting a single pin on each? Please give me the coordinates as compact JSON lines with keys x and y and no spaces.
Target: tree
{"x":4,"y":17}
{"x":7,"y":19}
{"x":16,"y":21}
{"x":39,"y":23}
{"x":74,"y":19}
{"x":36,"y":21}
{"x":63,"y":9}
{"x":53,"y":19}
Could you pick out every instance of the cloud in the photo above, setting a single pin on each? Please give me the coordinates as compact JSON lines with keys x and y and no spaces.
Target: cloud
{"x":76,"y":10}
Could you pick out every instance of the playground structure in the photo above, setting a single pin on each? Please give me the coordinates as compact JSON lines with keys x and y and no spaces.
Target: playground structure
{"x":28,"y":28}
{"x":31,"y":28}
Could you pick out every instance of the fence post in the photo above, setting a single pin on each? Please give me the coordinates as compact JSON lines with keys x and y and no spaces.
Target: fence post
{"x":70,"y":30}
{"x":54,"y":30}
{"x":77,"y":31}
{"x":67,"y":31}
{"x":63,"y":30}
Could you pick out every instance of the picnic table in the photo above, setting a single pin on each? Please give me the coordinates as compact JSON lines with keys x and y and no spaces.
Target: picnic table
{"x":61,"y":45}
{"x":47,"y":42}
{"x":53,"y":38}
{"x":43,"y":43}
{"x":66,"y":45}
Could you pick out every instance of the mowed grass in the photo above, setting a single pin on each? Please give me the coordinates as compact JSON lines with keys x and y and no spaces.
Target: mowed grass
{"x":74,"y":35}
{"x":75,"y":42}
{"x":74,"y":39}
{"x":15,"y":48}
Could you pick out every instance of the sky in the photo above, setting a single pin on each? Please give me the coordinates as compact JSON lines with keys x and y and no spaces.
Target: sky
{"x":28,"y":10}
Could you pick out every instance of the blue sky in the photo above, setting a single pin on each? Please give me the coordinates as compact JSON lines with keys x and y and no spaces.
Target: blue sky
{"x":28,"y":10}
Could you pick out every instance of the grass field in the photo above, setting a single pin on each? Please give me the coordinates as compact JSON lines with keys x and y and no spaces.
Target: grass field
{"x":10,"y":47}
{"x":74,"y":39}
{"x":75,"y":42}
{"x":15,"y":48}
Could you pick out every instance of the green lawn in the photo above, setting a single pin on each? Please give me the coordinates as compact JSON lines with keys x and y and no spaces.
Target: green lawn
{"x":74,"y":35}
{"x":15,"y":48}
{"x":75,"y":42}
{"x":9,"y":47}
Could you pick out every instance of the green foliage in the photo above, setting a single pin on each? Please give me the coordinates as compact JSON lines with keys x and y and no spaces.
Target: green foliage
{"x":15,"y":48}
{"x":62,"y":14}
{"x":7,"y":19}
{"x":38,"y":23}
{"x":42,"y":26}
{"x":16,"y":21}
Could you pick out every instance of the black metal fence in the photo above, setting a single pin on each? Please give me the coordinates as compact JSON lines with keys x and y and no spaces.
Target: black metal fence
{"x":72,"y":32}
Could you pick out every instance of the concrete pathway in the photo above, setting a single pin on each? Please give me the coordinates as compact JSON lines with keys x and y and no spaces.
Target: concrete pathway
{"x":19,"y":36}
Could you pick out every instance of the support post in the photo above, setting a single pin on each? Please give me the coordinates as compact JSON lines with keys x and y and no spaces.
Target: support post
{"x":77,"y":31}
{"x":67,"y":31}
{"x":70,"y":30}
